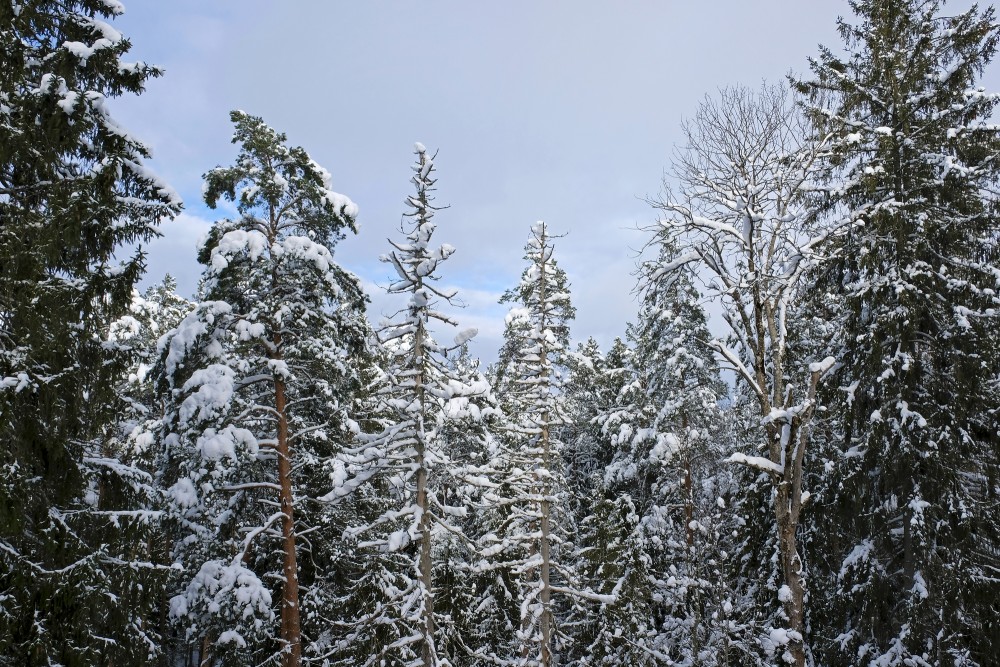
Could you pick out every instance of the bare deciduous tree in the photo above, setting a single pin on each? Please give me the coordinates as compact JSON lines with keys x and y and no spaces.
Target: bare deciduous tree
{"x":742,"y":214}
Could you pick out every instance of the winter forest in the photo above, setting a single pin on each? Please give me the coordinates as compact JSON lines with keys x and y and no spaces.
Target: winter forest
{"x":269,"y":473}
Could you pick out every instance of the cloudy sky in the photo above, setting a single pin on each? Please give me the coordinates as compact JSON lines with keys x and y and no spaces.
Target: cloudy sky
{"x":559,"y":110}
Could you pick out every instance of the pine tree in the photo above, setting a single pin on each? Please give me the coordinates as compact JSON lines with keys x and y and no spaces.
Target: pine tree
{"x":471,"y":442}
{"x":258,"y":381}
{"x":674,"y":366}
{"x":916,"y":158}
{"x":73,"y":192}
{"x":614,"y":562}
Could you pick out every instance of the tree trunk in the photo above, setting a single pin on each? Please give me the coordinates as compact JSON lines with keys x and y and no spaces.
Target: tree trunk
{"x":688,"y":493}
{"x":425,"y":561}
{"x":787,"y":507}
{"x":203,"y":652}
{"x":793,"y":602}
{"x":545,"y":622}
{"x":424,"y":565}
{"x":291,"y":633}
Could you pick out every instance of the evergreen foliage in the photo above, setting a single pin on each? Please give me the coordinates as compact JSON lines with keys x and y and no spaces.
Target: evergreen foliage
{"x":73,"y":192}
{"x":258,"y":381}
{"x":527,"y":535}
{"x":809,"y":476}
{"x":429,"y":454}
{"x":916,"y":163}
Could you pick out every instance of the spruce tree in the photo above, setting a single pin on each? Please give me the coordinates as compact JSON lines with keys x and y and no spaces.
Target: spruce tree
{"x":610,"y":553}
{"x":593,"y":391}
{"x":434,"y":430}
{"x":916,"y":159}
{"x":676,"y":456}
{"x":526,"y":539}
{"x":73,"y":192}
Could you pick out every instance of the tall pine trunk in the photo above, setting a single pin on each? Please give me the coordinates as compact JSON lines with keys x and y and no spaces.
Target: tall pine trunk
{"x":291,"y":633}
{"x":291,"y":630}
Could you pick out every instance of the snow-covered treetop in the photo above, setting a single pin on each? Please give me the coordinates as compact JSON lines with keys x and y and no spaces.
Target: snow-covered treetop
{"x":290,"y":220}
{"x":415,"y":260}
{"x":62,"y":62}
{"x":906,"y":111}
{"x":534,"y":355}
{"x":745,"y":217}
{"x":543,"y":291}
{"x":271,"y":180}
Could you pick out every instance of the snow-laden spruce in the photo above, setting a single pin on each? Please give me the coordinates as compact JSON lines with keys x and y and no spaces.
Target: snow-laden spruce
{"x":257,"y":381}
{"x":909,"y":569}
{"x":656,"y":409}
{"x":427,"y":459}
{"x":76,"y":200}
{"x":608,"y":553}
{"x":527,"y":535}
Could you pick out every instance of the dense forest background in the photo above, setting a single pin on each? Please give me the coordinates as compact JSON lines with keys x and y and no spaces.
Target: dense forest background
{"x":262,"y":475}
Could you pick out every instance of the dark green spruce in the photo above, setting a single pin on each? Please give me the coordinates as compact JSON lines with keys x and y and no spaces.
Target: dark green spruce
{"x":910,"y":573}
{"x":73,"y":192}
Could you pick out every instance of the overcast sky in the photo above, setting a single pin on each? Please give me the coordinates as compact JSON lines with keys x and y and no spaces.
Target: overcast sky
{"x":559,"y":110}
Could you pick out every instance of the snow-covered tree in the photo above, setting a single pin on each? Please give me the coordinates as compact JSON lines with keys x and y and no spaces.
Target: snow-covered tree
{"x":593,"y":389}
{"x":912,"y":567}
{"x":257,"y":381}
{"x":152,"y":315}
{"x":741,"y":220}
{"x":425,"y":456}
{"x":120,"y":476}
{"x":655,"y":434}
{"x":73,"y":193}
{"x":608,"y":552}
{"x":526,"y":539}
{"x":677,"y":391}
{"x":670,"y":459}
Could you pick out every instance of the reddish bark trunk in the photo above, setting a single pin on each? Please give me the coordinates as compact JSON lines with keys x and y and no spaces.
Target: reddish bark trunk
{"x":291,"y":633}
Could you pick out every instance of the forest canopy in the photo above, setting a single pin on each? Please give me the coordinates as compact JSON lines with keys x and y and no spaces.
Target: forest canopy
{"x":791,"y":458}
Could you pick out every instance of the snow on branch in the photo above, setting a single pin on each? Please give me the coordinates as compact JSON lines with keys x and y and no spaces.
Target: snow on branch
{"x":758,"y":462}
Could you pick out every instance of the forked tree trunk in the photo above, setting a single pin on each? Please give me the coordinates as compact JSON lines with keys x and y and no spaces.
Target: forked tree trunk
{"x":788,"y":503}
{"x":793,"y":600}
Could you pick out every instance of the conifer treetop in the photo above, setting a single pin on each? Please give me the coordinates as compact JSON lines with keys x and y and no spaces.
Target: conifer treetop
{"x":272,"y":179}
